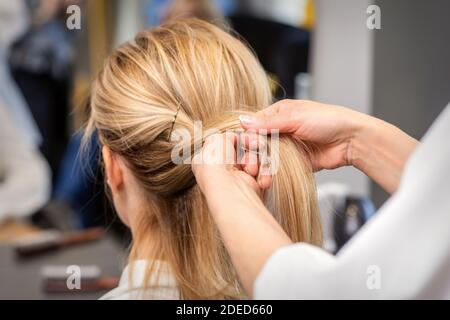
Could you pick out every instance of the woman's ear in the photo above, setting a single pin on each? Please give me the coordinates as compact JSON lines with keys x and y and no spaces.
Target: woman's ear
{"x":113,"y":170}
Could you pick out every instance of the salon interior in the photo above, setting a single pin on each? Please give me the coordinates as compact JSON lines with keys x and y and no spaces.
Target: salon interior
{"x":385,"y":58}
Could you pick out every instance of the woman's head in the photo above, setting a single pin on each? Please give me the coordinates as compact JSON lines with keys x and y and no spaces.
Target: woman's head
{"x":196,"y":72}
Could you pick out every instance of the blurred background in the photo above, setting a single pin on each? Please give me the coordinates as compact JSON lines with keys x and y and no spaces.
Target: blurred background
{"x":54,"y":210}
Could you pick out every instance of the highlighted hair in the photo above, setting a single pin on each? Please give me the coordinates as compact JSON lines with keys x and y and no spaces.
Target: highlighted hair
{"x":212,"y":77}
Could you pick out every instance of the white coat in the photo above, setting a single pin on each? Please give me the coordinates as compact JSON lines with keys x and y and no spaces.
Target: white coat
{"x":401,"y":253}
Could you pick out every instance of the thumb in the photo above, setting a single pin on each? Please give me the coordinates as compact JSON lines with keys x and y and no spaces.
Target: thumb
{"x":261,"y":121}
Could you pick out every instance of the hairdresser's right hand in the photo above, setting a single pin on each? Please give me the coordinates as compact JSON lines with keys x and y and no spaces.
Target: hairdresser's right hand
{"x":330,"y":128}
{"x":342,"y":136}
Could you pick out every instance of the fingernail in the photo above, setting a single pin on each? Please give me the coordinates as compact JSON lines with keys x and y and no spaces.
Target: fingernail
{"x":247,"y":120}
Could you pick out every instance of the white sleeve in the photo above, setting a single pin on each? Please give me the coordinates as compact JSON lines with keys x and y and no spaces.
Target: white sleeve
{"x":24,"y":174}
{"x":403,"y":252}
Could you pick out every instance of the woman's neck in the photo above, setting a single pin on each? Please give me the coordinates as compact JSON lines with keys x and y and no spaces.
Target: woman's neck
{"x":146,"y":242}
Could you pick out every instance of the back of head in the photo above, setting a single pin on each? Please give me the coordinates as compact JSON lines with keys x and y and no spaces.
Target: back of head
{"x":198,"y":72}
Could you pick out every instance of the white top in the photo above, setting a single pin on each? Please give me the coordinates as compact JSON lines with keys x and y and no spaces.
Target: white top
{"x":13,"y":23}
{"x":162,"y":287}
{"x":401,"y":253}
{"x":25,"y":178}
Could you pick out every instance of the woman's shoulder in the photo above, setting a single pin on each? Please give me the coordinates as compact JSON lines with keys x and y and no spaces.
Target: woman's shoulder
{"x":161,"y":284}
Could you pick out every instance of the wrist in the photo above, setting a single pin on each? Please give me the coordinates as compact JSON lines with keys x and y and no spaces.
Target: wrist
{"x":373,"y":138}
{"x":380,"y":150}
{"x":371,"y":141}
{"x":358,"y":146}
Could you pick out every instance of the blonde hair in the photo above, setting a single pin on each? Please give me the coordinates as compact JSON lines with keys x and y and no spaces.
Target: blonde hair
{"x":210,"y":76}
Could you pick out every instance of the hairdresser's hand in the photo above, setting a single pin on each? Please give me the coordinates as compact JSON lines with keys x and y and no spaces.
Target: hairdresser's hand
{"x":340,"y":137}
{"x":250,"y":233}
{"x":219,"y":158}
{"x":330,"y":128}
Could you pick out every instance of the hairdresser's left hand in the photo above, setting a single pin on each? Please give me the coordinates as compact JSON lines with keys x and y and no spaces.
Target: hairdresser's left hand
{"x":234,"y":199}
{"x":218,"y":161}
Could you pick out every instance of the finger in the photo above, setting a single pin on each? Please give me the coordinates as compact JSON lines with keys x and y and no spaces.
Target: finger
{"x":251,"y":140}
{"x":277,"y":116}
{"x":219,"y":149}
{"x":230,"y":141}
{"x":250,"y":163}
{"x":252,"y":183}
{"x":255,"y":145}
{"x":265,"y":172}
{"x":265,"y":181}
